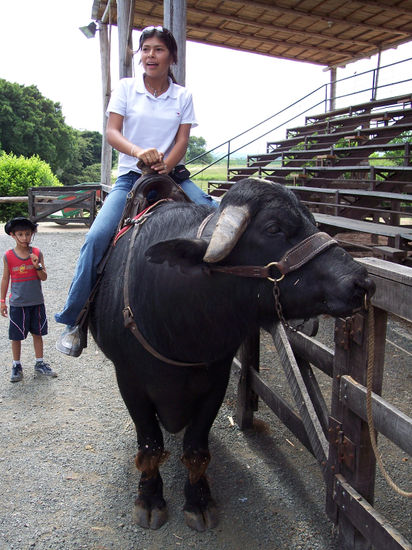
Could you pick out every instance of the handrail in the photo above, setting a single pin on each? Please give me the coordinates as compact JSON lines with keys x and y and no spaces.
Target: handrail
{"x":325,"y":87}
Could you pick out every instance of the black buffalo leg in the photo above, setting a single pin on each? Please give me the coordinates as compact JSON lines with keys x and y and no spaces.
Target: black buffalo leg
{"x":150,"y":509}
{"x":200,"y":509}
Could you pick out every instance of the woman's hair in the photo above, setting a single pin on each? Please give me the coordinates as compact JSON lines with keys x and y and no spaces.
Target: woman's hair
{"x":166,"y":37}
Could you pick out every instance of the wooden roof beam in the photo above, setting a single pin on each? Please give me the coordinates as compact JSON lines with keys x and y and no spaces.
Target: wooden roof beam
{"x":153,"y":19}
{"x":301,"y":13}
{"x":344,"y":56}
{"x":229,"y":34}
{"x":283,"y":43}
{"x":283,"y":56}
{"x":268,"y":26}
{"x":396,"y":10}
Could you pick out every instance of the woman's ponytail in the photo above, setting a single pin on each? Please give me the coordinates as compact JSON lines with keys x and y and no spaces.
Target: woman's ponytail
{"x":172,"y":76}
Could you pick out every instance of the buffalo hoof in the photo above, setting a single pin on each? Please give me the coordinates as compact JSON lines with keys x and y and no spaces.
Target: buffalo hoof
{"x":201,"y":519}
{"x":148,"y":518}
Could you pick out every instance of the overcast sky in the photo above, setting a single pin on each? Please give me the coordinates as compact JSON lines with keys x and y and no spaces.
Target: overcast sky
{"x":40,"y":43}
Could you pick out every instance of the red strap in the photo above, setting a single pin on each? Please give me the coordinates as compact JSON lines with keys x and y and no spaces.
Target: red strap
{"x":133,"y":220}
{"x":129,"y":225}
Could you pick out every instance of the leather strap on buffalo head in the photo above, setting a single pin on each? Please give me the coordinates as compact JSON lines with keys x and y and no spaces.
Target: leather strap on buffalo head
{"x":293,"y":259}
{"x":304,"y":251}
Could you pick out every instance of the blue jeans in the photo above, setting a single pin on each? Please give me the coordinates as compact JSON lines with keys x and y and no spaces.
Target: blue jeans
{"x":98,"y":239}
{"x":196,"y":194}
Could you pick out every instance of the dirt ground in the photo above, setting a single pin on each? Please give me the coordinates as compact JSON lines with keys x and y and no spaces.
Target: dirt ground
{"x":67,"y":476}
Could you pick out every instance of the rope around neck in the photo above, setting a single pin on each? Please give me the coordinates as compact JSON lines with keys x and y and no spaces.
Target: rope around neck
{"x":369,"y":378}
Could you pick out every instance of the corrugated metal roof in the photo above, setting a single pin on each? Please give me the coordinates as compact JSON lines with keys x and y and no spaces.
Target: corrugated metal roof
{"x":324,"y":32}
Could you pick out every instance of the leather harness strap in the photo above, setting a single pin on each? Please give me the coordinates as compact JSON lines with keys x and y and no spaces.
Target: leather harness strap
{"x":304,"y":251}
{"x":293,"y":259}
{"x":128,"y":317}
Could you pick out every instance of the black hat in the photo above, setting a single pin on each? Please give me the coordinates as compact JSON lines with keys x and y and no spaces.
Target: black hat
{"x":19,"y":222}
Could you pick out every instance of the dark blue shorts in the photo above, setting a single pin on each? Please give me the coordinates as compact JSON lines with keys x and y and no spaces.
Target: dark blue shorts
{"x":25,"y":319}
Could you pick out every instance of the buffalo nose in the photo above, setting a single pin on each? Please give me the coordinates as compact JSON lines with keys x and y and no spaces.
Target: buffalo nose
{"x":368,"y":287}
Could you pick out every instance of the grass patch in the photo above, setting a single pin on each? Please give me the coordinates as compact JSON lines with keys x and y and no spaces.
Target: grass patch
{"x":215,"y":172}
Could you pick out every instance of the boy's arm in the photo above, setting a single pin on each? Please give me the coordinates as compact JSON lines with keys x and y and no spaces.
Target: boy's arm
{"x":4,"y":286}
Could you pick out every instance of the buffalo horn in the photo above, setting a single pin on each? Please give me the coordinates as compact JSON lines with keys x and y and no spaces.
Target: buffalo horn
{"x":231,"y":224}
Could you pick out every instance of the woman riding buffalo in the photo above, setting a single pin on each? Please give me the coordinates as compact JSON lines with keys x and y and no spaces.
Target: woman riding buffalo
{"x":149,"y":119}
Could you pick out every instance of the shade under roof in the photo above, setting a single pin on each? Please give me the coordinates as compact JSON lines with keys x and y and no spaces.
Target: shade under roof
{"x":324,"y":32}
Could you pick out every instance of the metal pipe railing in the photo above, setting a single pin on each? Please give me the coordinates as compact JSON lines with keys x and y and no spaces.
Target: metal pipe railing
{"x":230,"y":149}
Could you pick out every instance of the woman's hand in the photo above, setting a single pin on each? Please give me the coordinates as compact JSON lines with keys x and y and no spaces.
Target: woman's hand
{"x":150,"y":157}
{"x":161,"y":168}
{"x":154,"y":159}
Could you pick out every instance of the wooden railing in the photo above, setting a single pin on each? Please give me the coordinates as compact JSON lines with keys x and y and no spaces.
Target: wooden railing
{"x":337,"y":435}
{"x":7,"y":200}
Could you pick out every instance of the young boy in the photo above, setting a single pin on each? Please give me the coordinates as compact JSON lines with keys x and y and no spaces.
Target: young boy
{"x":24,"y":266}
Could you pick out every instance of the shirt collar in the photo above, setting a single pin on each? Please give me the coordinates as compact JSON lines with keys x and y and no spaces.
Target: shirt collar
{"x":170,"y":92}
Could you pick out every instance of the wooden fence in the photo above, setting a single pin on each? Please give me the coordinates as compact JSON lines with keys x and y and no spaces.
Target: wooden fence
{"x":67,"y":204}
{"x":338,"y":435}
{"x":74,"y":203}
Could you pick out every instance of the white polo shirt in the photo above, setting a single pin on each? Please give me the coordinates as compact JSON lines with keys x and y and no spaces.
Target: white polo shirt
{"x":150,"y":121}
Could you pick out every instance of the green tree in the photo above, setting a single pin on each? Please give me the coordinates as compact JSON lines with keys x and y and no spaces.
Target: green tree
{"x":90,"y":173}
{"x":398,"y":157}
{"x":196,"y":147}
{"x":92,"y":149}
{"x":31,"y":125}
{"x":86,"y":159}
{"x":85,"y":152}
{"x":393,"y":157}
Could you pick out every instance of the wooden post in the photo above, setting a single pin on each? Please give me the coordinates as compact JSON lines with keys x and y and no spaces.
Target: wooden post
{"x":175,"y":20}
{"x":332,"y":98}
{"x":247,"y":400}
{"x":125,"y":14}
{"x":106,"y":157}
{"x":350,"y":451}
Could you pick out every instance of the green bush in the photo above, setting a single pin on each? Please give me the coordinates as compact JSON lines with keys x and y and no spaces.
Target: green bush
{"x":17,"y":174}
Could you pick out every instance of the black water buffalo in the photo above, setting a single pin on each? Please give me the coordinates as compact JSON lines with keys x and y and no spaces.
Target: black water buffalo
{"x":182,"y":310}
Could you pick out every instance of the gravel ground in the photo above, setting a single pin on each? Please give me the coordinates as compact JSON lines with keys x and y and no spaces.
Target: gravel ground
{"x":67,"y":475}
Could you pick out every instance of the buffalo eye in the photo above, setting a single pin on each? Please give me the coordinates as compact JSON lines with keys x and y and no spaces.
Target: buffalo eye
{"x":272,"y":228}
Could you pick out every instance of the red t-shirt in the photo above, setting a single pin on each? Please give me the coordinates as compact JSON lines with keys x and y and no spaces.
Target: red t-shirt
{"x":25,"y":289}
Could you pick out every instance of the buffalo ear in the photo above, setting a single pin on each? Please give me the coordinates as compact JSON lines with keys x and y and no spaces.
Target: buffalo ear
{"x":185,"y":253}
